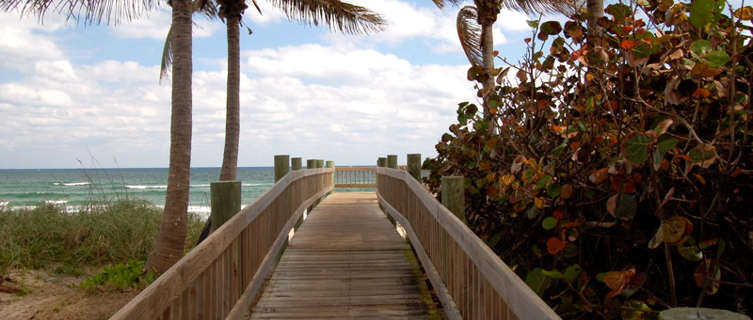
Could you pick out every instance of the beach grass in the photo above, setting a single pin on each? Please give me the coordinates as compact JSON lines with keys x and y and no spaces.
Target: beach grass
{"x":51,"y":237}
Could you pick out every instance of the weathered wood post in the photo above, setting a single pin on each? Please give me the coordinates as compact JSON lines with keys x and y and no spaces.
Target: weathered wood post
{"x":225,"y":201}
{"x":392,"y":161}
{"x":295,"y":163}
{"x":310,"y":163}
{"x":331,"y":164}
{"x":319,"y":163}
{"x":414,"y":165}
{"x":382,"y":162}
{"x":282,"y":166}
{"x":453,"y":195}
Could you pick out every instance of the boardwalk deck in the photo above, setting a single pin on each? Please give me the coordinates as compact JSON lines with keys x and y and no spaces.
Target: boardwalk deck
{"x":346,"y":261}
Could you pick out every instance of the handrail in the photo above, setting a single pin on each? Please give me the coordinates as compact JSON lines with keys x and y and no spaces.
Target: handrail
{"x":355,"y":177}
{"x":211,"y":278}
{"x":470,"y":279}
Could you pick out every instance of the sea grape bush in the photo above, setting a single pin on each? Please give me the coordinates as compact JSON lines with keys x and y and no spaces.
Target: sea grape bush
{"x":618,"y":181}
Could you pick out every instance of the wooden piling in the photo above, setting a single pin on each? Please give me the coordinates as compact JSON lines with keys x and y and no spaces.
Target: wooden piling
{"x":296,"y":163}
{"x":414,"y":165}
{"x":310,"y":163}
{"x":282,"y":166}
{"x":382,"y":162}
{"x":225,"y":200}
{"x":453,"y":195}
{"x":319,"y":163}
{"x":392,"y":161}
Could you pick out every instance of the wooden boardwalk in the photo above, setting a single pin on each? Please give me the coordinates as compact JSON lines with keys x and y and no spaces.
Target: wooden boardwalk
{"x":346,"y":261}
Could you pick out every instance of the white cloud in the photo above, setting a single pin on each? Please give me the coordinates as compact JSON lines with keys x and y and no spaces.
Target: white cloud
{"x":155,"y":25}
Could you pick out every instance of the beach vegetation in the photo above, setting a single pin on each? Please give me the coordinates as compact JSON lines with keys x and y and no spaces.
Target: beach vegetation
{"x":72,"y":242}
{"x":618,"y":180}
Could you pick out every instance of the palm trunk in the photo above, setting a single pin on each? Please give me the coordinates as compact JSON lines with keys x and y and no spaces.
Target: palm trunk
{"x":487,"y":52}
{"x":595,"y":12}
{"x":170,"y":243}
{"x":232,"y":120}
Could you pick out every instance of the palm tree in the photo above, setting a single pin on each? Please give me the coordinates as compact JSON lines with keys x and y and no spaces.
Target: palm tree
{"x":170,"y":242}
{"x":474,"y":25}
{"x":338,"y":15}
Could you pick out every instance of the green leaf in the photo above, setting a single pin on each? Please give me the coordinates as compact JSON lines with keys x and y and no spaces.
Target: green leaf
{"x":717,"y":58}
{"x":661,"y":149}
{"x":690,"y":253}
{"x":700,"y":47}
{"x":532,"y":212}
{"x":626,"y":207}
{"x":636,"y":149}
{"x":572,"y":272}
{"x":538,"y":281}
{"x":533,"y":23}
{"x":554,"y":190}
{"x":551,"y":27}
{"x":543,"y":181}
{"x":549,"y":223}
{"x":704,"y":12}
{"x":554,"y":274}
{"x":619,"y":11}
{"x":600,"y":276}
{"x":642,"y":50}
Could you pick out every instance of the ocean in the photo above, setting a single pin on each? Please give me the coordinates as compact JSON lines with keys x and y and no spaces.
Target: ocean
{"x":75,"y":188}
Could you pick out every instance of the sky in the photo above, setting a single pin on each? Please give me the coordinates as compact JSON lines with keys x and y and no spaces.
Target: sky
{"x":75,"y":96}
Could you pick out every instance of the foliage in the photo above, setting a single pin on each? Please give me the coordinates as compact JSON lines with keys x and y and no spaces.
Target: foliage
{"x":120,"y":276}
{"x":618,"y":178}
{"x":48,"y":236}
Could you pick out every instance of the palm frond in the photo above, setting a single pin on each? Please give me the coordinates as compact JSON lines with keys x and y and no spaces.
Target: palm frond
{"x":207,"y":8}
{"x":83,"y":11}
{"x":538,"y":6}
{"x":167,"y":55}
{"x":469,"y":33}
{"x":440,"y":3}
{"x":336,"y":14}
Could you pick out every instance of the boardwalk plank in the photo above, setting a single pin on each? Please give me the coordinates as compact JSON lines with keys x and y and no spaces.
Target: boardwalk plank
{"x":346,"y":262}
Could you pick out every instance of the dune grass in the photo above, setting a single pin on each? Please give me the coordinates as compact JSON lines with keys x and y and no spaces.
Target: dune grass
{"x":49,"y":237}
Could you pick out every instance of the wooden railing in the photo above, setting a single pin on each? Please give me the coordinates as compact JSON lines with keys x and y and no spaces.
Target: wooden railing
{"x":356,"y":177}
{"x":221,"y":276}
{"x":469,"y":278}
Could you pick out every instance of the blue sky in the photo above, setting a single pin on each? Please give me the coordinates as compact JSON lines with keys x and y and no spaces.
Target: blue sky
{"x":73,"y":93}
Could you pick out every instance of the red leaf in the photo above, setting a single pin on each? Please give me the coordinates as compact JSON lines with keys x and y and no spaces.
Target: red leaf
{"x":554,"y":245}
{"x":627,"y":44}
{"x":617,"y":280}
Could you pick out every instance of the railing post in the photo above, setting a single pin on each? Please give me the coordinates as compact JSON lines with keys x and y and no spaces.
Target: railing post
{"x":282,"y":166}
{"x":225,"y":200}
{"x":331,"y":164}
{"x":319,"y":163}
{"x":453,"y":195}
{"x":392,"y":161}
{"x":310,"y":163}
{"x":414,"y":165}
{"x":295,"y":163}
{"x":382,"y":162}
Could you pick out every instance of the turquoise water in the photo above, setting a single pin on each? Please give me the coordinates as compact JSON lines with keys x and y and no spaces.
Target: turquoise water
{"x":74,"y":188}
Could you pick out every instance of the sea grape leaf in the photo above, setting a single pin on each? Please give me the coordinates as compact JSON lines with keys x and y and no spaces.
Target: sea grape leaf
{"x":636,"y":149}
{"x":554,"y":274}
{"x":619,"y":11}
{"x":572,"y":272}
{"x":700,"y":48}
{"x":717,"y":58}
{"x":690,"y":253}
{"x":554,"y":245}
{"x":543,"y":181}
{"x":549,"y":223}
{"x":533,"y":23}
{"x":677,"y":229}
{"x":704,"y":12}
{"x":661,"y":149}
{"x":703,"y":155}
{"x":551,"y":27}
{"x":537,"y":281}
{"x":702,"y":272}
{"x":622,"y":206}
{"x":617,"y":280}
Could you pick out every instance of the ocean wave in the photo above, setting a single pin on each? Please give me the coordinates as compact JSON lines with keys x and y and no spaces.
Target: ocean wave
{"x":72,"y":184}
{"x":4,"y":203}
{"x":144,"y":187}
{"x":56,"y":202}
